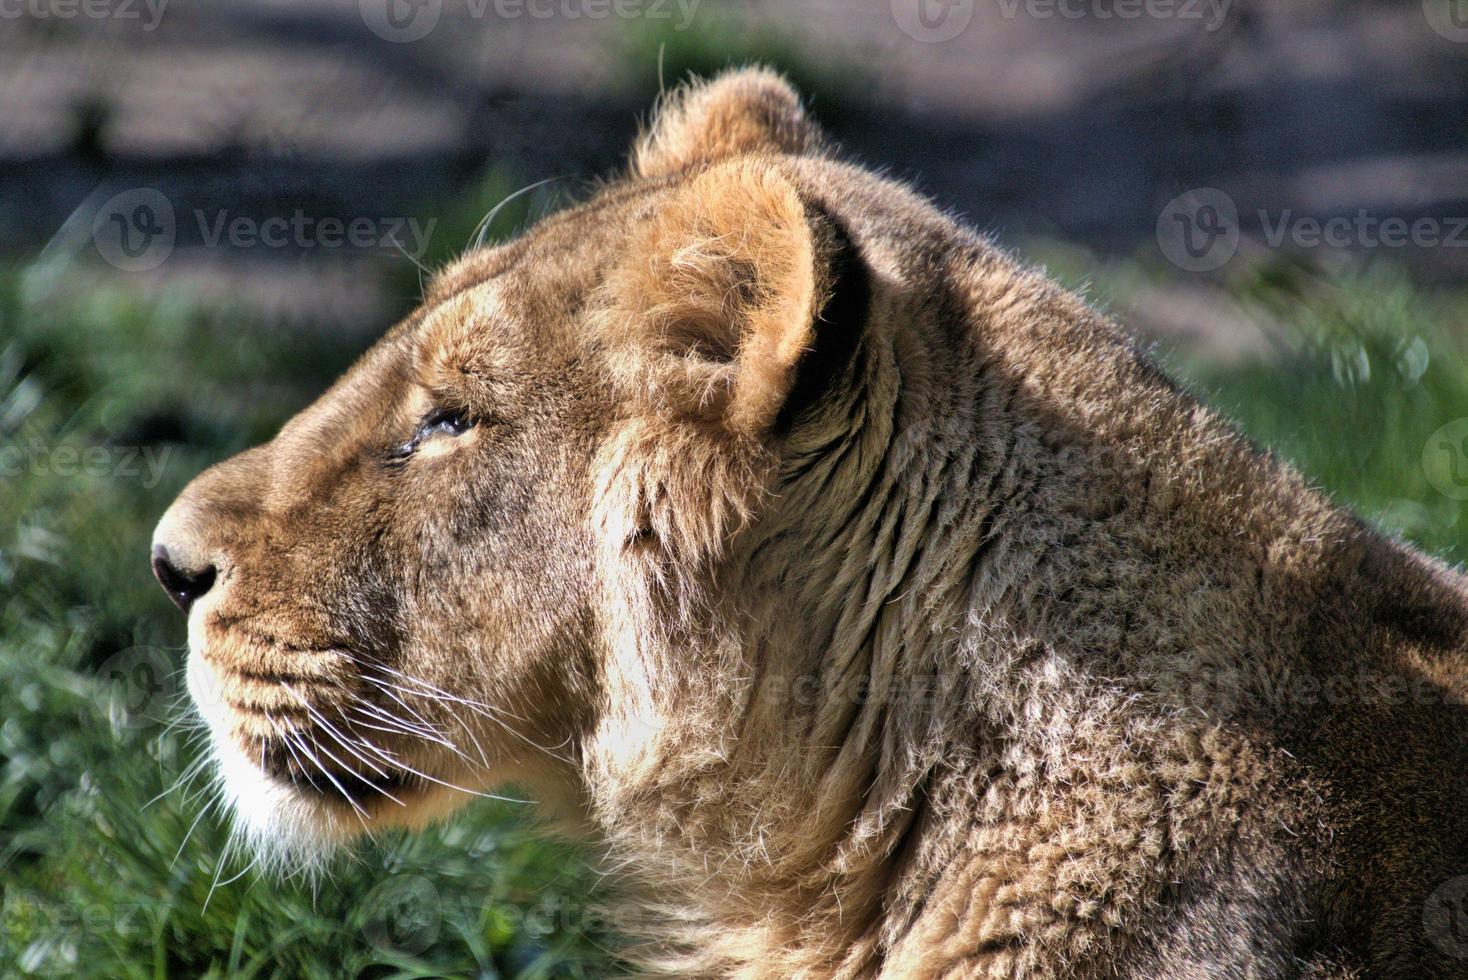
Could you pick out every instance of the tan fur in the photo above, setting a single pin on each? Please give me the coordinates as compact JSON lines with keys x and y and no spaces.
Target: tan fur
{"x":869,"y":601}
{"x":753,"y":111}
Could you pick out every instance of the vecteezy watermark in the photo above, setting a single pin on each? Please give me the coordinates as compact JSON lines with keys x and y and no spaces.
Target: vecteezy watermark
{"x":138,"y":229}
{"x":1448,"y":17}
{"x":148,"y":12}
{"x":1362,"y":229}
{"x":304,"y":231}
{"x":934,"y":21}
{"x":1445,"y":459}
{"x":1211,"y":12}
{"x":135,"y":230}
{"x":401,"y":21}
{"x":144,"y":464}
{"x":1222,"y":691}
{"x":1199,"y":230}
{"x":138,"y":686}
{"x":403,"y":915}
{"x":34,"y":915}
{"x":1445,"y":917}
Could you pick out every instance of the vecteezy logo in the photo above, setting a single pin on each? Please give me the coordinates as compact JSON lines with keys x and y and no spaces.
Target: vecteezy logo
{"x":400,"y":21}
{"x":1445,"y":916}
{"x":1198,"y":230}
{"x":134,"y":230}
{"x":403,"y":915}
{"x":932,"y":21}
{"x":1445,"y":459}
{"x":1448,"y":17}
{"x":138,"y":686}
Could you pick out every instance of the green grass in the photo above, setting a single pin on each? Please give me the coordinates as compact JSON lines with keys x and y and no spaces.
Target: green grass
{"x":1369,"y":372}
{"x":99,"y":882}
{"x":1363,"y":371}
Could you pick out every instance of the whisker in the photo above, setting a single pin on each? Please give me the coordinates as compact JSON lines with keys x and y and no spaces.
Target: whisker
{"x":482,"y":229}
{"x":399,"y":730}
{"x":392,"y":760}
{"x":478,"y":746}
{"x":363,"y":706}
{"x":436,"y":694}
{"x":189,"y":774}
{"x":388,"y":690}
{"x":354,"y":750}
{"x":236,"y":877}
{"x":292,"y":742}
{"x":187,"y":834}
{"x":438,"y":736}
{"x":310,"y":751}
{"x":485,"y":711}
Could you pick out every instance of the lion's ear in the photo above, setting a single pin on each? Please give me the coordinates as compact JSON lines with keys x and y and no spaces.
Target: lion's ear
{"x":723,"y":313}
{"x":749,"y":110}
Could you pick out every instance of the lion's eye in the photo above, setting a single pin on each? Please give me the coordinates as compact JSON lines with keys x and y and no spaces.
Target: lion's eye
{"x":446,"y":422}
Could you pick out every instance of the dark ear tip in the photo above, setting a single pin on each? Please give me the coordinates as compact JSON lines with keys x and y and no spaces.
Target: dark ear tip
{"x":839,"y":326}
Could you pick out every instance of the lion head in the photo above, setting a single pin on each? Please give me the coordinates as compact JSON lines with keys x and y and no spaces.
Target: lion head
{"x":478,"y":558}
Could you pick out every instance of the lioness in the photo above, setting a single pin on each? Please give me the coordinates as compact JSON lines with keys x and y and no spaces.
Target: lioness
{"x":872,"y":603}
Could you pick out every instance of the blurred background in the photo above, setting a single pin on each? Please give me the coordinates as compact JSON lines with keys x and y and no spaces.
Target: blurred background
{"x":207,"y":209}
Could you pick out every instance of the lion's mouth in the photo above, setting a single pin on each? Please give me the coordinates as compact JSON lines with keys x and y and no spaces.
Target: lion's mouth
{"x":333,"y":765}
{"x":348,"y":786}
{"x":312,"y":747}
{"x":302,"y":734}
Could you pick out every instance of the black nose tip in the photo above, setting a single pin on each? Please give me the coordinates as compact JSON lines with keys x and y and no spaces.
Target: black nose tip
{"x":182,"y":587}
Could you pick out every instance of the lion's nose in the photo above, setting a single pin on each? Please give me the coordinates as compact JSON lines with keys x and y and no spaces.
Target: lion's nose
{"x":182,"y":585}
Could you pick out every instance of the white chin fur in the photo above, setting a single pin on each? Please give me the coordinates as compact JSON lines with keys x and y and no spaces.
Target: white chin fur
{"x":282,"y":826}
